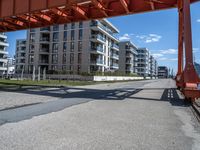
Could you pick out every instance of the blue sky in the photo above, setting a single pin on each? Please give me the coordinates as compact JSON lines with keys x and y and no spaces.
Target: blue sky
{"x":157,"y":31}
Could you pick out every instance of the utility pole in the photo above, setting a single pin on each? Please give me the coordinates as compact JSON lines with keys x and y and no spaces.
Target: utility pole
{"x":22,"y":74}
{"x":39,"y":73}
{"x":33,"y":77}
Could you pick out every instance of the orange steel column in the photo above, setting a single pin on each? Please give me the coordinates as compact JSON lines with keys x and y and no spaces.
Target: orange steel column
{"x":179,"y":76}
{"x":190,"y":75}
{"x":180,"y":38}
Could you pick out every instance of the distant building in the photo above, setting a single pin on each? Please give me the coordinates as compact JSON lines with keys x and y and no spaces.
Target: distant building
{"x":127,"y":57}
{"x":143,"y":62}
{"x":10,"y":66}
{"x":20,"y":55}
{"x":162,"y":72}
{"x":3,"y":53}
{"x":81,"y":47}
{"x":153,"y":67}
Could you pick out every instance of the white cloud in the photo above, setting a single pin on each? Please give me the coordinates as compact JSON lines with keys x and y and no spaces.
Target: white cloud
{"x":195,"y":50}
{"x":150,"y":38}
{"x":167,"y":59}
{"x":168,"y":51}
{"x":157,"y":55}
{"x":198,"y":20}
{"x":125,"y":37}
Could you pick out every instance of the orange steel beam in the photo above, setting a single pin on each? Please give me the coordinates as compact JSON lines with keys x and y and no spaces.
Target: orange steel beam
{"x":100,"y":7}
{"x":78,"y":10}
{"x":125,"y":5}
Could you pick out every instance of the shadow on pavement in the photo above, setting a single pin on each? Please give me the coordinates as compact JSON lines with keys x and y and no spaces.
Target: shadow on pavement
{"x":74,"y":96}
{"x":169,"y":95}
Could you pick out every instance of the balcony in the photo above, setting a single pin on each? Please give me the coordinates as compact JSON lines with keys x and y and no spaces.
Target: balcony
{"x":3,"y":68}
{"x":115,"y":46}
{"x":2,"y":35}
{"x":115,"y":65}
{"x":98,"y":38}
{"x":44,"y":39}
{"x":44,"y":50}
{"x":3,"y":52}
{"x":97,"y":62}
{"x":114,"y":56}
{"x":43,"y":61}
{"x":4,"y":60}
{"x":2,"y":43}
{"x":130,"y":62}
{"x":96,"y":25}
{"x":97,"y":49}
{"x":129,"y":55}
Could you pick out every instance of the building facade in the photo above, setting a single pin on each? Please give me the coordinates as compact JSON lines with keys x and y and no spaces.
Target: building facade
{"x":80,"y":47}
{"x":20,"y":56}
{"x":127,"y":57}
{"x":3,"y":53}
{"x":153,"y":67}
{"x":143,"y":62}
{"x":163,"y":72}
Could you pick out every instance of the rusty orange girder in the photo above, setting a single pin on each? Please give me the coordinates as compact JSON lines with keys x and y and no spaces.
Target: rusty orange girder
{"x":24,"y":14}
{"x":187,"y":79}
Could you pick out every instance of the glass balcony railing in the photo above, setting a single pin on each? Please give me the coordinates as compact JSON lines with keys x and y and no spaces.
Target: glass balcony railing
{"x":115,"y":65}
{"x":97,"y":48}
{"x":44,"y":39}
{"x":115,"y":46}
{"x":114,"y":55}
{"x":98,"y":61}
{"x":98,"y":36}
{"x":99,"y":24}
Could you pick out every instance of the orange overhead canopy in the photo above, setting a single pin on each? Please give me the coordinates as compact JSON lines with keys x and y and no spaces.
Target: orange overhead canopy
{"x":24,"y":14}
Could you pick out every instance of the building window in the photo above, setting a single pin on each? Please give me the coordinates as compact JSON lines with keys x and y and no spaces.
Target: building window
{"x":71,"y":58}
{"x":64,"y":58}
{"x":55,"y":27}
{"x":64,"y":47}
{"x":55,"y":48}
{"x":56,"y":37}
{"x":65,"y":36}
{"x":72,"y":25}
{"x":80,"y":36}
{"x":55,"y":58}
{"x":72,"y":34}
{"x":81,"y":24}
{"x":79,"y":58}
{"x":72,"y":47}
{"x":65,"y":26}
{"x":80,"y":44}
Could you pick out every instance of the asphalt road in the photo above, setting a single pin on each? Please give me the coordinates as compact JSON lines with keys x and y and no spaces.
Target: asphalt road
{"x":140,"y":115}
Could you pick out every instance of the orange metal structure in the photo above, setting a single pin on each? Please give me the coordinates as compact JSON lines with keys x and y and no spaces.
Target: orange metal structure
{"x":24,"y":14}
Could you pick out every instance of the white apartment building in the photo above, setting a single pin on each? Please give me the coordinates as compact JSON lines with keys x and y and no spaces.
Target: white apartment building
{"x":80,"y":47}
{"x":20,"y":55}
{"x":143,"y":63}
{"x":127,"y":57}
{"x":153,"y":67}
{"x":3,"y":53}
